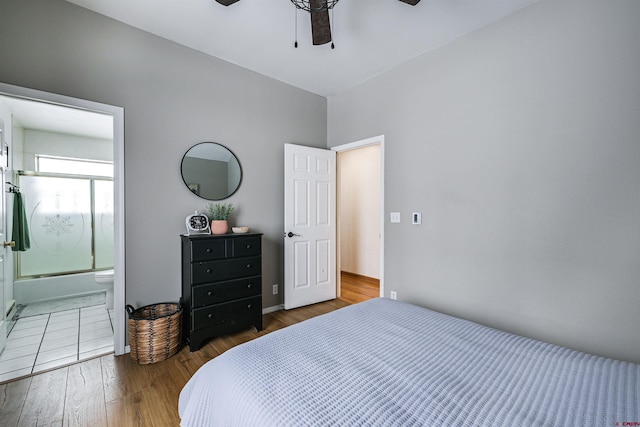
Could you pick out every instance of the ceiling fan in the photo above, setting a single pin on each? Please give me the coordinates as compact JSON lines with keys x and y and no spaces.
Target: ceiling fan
{"x":319,"y":11}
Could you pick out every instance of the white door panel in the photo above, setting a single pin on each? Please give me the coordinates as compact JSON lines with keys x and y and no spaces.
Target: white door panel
{"x":310,"y":225}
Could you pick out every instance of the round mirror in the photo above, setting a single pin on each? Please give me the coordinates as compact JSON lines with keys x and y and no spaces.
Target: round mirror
{"x":211,"y":171}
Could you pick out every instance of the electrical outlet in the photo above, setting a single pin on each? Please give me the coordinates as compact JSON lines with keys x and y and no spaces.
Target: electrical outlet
{"x":416,"y":219}
{"x":394,"y":217}
{"x":394,"y":295}
{"x":275,"y":289}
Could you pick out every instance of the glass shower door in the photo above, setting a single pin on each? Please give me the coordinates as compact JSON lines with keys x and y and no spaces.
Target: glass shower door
{"x":60,"y":224}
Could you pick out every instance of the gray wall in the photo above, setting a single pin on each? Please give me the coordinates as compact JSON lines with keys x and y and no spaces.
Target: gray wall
{"x":173,"y":98}
{"x":519,"y":143}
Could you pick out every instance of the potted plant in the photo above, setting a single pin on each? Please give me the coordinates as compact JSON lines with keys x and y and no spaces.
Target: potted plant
{"x":219,"y":215}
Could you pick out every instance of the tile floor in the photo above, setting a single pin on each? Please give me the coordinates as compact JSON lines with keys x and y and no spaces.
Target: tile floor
{"x":46,"y":341}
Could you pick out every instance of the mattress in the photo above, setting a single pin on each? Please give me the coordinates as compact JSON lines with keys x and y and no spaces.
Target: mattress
{"x":389,"y":363}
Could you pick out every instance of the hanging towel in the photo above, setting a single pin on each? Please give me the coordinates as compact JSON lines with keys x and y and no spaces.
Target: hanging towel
{"x":20,"y":233}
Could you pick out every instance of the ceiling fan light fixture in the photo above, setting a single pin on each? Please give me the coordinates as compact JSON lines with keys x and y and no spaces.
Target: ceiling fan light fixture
{"x":314,"y":5}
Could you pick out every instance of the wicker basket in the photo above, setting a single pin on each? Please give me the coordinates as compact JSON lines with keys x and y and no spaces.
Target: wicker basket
{"x":154,"y":332}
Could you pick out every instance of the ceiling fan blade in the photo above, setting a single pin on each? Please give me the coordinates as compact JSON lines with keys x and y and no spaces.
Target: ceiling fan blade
{"x":226,"y":2}
{"x":411,"y":2}
{"x":320,"y":25}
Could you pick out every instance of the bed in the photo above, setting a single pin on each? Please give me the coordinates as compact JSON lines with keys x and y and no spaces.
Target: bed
{"x":388,"y":363}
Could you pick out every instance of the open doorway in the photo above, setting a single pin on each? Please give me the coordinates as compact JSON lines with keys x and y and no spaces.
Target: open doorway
{"x":33,"y":140}
{"x":360,"y":214}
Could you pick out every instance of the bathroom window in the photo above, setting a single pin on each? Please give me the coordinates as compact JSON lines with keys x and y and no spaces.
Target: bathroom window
{"x":72,"y":166}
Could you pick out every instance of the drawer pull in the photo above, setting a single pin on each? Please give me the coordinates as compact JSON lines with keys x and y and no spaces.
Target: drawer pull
{"x":249,"y":286}
{"x":248,"y":246}
{"x":209,"y":293}
{"x":210,"y":315}
{"x":248,"y":265}
{"x":209,"y":250}
{"x":248,"y":305}
{"x":209,"y":270}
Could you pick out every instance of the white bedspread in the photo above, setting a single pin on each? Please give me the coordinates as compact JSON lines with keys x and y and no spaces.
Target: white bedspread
{"x":388,"y":363}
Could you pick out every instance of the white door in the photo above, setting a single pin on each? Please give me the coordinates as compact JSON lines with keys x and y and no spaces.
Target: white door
{"x":309,"y":225}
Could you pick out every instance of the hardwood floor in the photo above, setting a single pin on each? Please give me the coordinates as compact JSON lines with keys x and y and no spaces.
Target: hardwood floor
{"x":115,"y":391}
{"x":356,"y":288}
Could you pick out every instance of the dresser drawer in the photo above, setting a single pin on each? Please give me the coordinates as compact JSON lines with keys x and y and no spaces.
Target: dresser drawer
{"x":203,"y":295}
{"x":210,"y":271}
{"x":209,"y":249}
{"x":212,"y":249}
{"x":247,"y":246}
{"x":226,"y":312}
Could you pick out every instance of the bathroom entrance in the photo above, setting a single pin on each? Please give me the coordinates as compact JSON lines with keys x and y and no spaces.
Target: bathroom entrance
{"x":64,"y":165}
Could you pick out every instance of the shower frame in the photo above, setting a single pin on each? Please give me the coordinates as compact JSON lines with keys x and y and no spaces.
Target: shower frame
{"x":92,"y":179}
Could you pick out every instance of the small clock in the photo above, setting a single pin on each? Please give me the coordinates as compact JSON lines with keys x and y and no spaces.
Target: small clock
{"x":198,"y":223}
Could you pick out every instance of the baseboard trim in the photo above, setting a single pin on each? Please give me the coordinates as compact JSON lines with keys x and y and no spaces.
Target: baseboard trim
{"x":273,"y":308}
{"x":360,"y":277}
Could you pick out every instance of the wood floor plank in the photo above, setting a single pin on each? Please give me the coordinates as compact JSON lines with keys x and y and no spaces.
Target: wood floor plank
{"x":355,"y":288}
{"x":12,"y":397}
{"x":85,"y":403}
{"x":163,"y":397}
{"x":190,"y":362}
{"x":127,"y":412}
{"x":159,"y":388}
{"x":44,"y":404}
{"x":122,"y":377}
{"x":360,"y":279}
{"x":350,"y":296}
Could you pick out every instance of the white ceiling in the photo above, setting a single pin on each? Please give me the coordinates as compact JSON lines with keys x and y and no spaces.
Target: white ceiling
{"x":37,"y":115}
{"x":371,"y":36}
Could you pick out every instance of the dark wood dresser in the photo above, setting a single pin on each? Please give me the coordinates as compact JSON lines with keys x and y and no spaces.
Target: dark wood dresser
{"x":221,"y":285}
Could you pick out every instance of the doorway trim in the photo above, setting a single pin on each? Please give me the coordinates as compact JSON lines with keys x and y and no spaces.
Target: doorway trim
{"x":375,"y":140}
{"x":118,"y":182}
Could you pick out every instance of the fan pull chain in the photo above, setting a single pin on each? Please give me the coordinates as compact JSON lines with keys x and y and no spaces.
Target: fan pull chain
{"x":333,"y":26}
{"x":295,"y":45}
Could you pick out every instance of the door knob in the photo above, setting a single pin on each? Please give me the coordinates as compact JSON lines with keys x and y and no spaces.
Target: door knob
{"x":290,"y":234}
{"x":10,"y":244}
